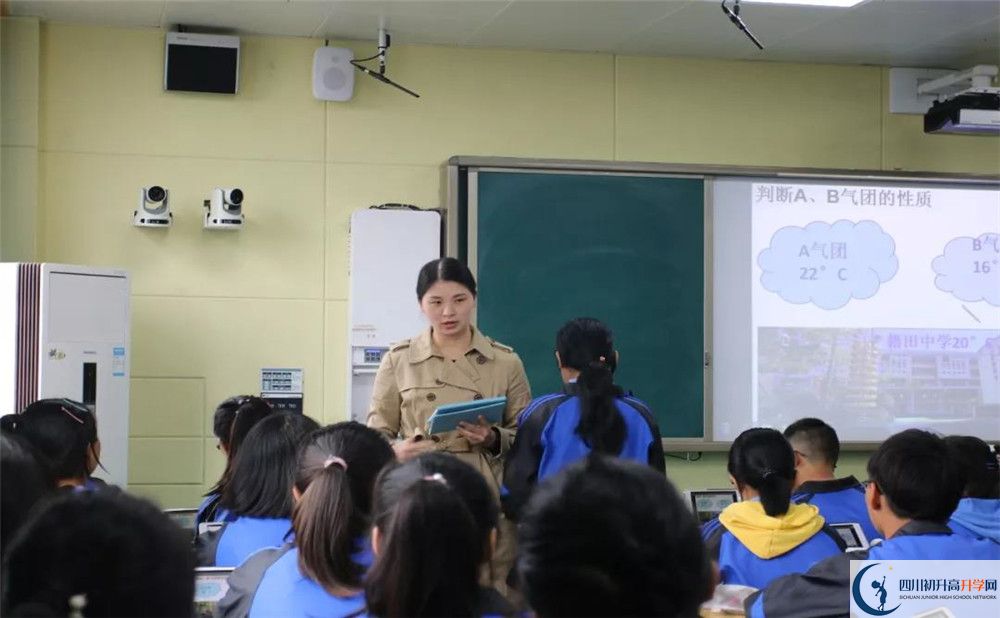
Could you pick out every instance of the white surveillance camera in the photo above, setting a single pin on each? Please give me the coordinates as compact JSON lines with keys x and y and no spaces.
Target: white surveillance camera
{"x":154,"y":208}
{"x":225,"y":209}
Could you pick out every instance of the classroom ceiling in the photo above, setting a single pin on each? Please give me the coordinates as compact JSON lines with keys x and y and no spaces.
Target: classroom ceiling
{"x":914,"y":33}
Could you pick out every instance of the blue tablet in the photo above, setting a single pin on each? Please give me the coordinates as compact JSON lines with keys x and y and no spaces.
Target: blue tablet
{"x":447,"y":417}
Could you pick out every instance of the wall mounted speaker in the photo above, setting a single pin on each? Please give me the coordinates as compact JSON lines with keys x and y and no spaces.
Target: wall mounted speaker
{"x":333,"y":74}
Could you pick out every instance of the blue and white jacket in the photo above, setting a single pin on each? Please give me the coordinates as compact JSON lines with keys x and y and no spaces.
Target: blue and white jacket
{"x":547,"y":442}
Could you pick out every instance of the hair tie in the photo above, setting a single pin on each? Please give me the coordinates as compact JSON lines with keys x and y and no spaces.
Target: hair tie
{"x":334,"y":460}
{"x":77,"y":603}
{"x":602,"y":359}
{"x":71,"y":415}
{"x":437,"y":477}
{"x":767,"y":473}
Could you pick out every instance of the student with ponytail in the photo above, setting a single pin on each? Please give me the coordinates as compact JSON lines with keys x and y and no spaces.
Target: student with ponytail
{"x":766,"y":536}
{"x":435,"y":522}
{"x":63,"y":434}
{"x":591,"y":414}
{"x":320,"y":573}
{"x":259,"y":493}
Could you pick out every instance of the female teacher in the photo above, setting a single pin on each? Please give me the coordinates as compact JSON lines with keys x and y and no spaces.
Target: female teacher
{"x":451,"y":362}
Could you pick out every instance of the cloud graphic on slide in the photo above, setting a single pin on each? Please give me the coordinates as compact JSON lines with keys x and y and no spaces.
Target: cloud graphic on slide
{"x":969,"y":268}
{"x":828,"y":265}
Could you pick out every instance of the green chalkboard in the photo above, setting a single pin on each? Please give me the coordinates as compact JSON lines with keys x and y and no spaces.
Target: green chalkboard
{"x":628,"y":250}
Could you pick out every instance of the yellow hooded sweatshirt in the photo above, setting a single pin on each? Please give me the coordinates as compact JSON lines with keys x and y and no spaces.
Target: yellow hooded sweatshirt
{"x":768,"y":537}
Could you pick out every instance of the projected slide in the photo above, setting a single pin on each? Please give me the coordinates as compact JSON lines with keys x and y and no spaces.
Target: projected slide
{"x":876,"y":308}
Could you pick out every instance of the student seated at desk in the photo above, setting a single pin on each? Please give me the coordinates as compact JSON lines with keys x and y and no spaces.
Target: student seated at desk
{"x":63,"y":434}
{"x":25,"y":482}
{"x":590,"y":414}
{"x":434,"y":530}
{"x":817,"y":449}
{"x":101,"y":553}
{"x":914,"y":488}
{"x":259,"y":493}
{"x":320,"y":573}
{"x":232,"y":421}
{"x":978,"y":512}
{"x":766,"y":536}
{"x":609,"y":537}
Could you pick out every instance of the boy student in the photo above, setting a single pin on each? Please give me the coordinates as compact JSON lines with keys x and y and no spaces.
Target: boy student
{"x":914,"y":486}
{"x":839,"y":500}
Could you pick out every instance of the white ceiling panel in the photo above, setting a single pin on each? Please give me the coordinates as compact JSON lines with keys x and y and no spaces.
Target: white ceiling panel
{"x":440,"y":22}
{"x":580,"y":26}
{"x":126,"y":13}
{"x":248,"y":16}
{"x":932,"y":33}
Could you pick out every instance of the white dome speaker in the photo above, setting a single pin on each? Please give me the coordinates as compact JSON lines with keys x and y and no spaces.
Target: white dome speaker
{"x":333,"y":74}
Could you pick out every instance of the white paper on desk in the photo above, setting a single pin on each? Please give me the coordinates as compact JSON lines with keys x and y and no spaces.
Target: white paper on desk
{"x":728,"y":599}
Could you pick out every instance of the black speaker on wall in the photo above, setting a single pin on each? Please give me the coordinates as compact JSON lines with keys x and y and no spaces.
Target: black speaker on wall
{"x":201,"y":63}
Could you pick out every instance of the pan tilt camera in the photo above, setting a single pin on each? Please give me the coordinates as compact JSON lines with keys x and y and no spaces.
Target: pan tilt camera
{"x":225,"y":209}
{"x":154,"y":208}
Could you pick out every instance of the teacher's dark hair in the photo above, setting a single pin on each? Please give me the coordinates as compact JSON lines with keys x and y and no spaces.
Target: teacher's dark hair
{"x":586,"y":344}
{"x":444,"y":269}
{"x":763,"y":459}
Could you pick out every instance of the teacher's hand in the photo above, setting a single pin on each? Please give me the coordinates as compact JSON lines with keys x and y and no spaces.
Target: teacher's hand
{"x":481,"y":433}
{"x":411,"y":447}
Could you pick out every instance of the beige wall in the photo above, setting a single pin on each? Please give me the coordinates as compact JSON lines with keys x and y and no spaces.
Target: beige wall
{"x":86,"y":123}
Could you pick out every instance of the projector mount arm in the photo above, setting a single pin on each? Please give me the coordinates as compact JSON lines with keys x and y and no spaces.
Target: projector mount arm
{"x":384,"y":41}
{"x":734,"y":16}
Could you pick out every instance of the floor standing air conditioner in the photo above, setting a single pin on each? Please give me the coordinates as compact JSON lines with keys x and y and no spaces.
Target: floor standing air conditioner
{"x":388,"y":248}
{"x":64,"y":332}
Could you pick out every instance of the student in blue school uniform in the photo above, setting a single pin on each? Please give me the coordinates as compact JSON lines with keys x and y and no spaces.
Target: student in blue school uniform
{"x":259,"y":493}
{"x":611,"y":537}
{"x":63,"y":434}
{"x":232,"y":421}
{"x":766,"y":536}
{"x":978,"y":512}
{"x":840,"y":500}
{"x":914,"y":488}
{"x":590,"y":414}
{"x":434,"y":531}
{"x":320,"y":573}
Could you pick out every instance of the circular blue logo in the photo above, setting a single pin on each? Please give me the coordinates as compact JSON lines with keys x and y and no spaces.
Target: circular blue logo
{"x":879,"y":592}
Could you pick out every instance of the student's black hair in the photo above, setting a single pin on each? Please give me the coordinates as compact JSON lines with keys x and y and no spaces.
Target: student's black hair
{"x":610,"y":537}
{"x":820,"y":439}
{"x":60,"y":430}
{"x":25,"y":481}
{"x":444,"y":269}
{"x":763,"y":459}
{"x":915,"y":471}
{"x":435,"y":514}
{"x":586,"y":344}
{"x":232,"y":421}
{"x":978,"y":464}
{"x":264,"y":468}
{"x":335,"y":479}
{"x":112,"y":553}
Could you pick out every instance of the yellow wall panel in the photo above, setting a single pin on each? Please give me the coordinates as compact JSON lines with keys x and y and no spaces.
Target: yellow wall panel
{"x":227,"y":342}
{"x":476,"y":101}
{"x":170,"y":496}
{"x":335,"y":366}
{"x":356,"y":187}
{"x":87,"y":202}
{"x":165,"y":460}
{"x":166,"y":407}
{"x":18,"y":203}
{"x":102,"y":91}
{"x":19,"y":71}
{"x":747,"y":113}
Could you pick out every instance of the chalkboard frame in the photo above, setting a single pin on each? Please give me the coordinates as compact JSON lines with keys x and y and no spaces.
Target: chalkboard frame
{"x":457,"y":225}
